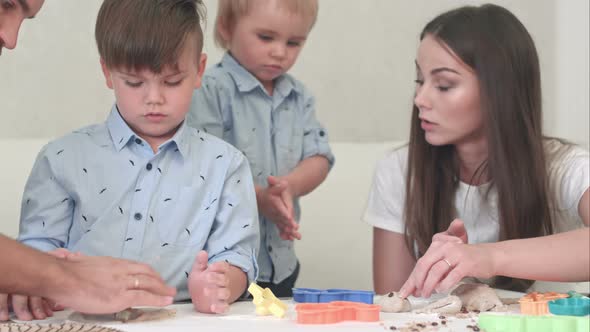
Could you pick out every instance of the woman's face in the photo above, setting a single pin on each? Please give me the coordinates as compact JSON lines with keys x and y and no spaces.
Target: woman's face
{"x":447,"y":96}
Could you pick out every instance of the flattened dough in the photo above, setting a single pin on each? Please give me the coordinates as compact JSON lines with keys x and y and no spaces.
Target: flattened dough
{"x":447,"y":305}
{"x":126,"y":316}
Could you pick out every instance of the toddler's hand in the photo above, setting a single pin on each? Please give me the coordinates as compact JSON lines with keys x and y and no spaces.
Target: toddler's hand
{"x":289,"y":231}
{"x":209,"y":285}
{"x":276,"y":203}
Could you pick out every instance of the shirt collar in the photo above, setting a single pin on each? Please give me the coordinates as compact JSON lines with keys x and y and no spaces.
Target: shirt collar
{"x":246,"y":82}
{"x":180,"y":139}
{"x":121,"y":134}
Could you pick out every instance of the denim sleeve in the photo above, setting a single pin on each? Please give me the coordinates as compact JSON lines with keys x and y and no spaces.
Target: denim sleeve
{"x":47,"y":208}
{"x":235,"y":236}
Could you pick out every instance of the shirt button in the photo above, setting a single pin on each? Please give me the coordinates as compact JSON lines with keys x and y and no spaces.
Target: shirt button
{"x":148,"y":166}
{"x":137,"y":216}
{"x":138,"y":141}
{"x":269,"y":249}
{"x":322,"y":133}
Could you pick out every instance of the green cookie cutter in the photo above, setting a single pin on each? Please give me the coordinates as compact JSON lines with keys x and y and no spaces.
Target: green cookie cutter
{"x":520,"y":323}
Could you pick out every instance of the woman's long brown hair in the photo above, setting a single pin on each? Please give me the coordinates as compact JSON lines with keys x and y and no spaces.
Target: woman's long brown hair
{"x":495,"y":44}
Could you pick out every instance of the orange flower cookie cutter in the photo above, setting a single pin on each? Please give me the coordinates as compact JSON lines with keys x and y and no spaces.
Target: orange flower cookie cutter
{"x":335,"y":312}
{"x":535,"y":303}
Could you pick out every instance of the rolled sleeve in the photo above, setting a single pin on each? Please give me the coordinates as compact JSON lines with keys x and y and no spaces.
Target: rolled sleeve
{"x":315,"y":136}
{"x":236,"y":236}
{"x":46,"y":210}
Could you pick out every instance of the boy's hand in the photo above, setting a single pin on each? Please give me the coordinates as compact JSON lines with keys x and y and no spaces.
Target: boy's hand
{"x":209,"y":285}
{"x":276,"y":203}
{"x":32,"y":307}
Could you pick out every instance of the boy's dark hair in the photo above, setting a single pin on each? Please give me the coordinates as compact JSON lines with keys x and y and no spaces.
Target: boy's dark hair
{"x":147,"y":34}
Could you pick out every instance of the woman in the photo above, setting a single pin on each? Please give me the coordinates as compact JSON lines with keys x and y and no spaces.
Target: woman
{"x":477,"y":153}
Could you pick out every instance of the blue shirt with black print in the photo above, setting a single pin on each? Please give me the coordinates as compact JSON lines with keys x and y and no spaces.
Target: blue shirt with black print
{"x":274,"y":132}
{"x":101,"y":190}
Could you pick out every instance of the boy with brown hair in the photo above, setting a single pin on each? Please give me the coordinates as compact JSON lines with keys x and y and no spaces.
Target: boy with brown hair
{"x":144,"y":185}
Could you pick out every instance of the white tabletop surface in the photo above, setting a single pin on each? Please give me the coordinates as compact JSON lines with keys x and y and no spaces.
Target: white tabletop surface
{"x":242,"y":317}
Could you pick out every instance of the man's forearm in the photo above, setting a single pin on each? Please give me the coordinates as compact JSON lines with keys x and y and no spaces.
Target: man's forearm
{"x":25,"y":270}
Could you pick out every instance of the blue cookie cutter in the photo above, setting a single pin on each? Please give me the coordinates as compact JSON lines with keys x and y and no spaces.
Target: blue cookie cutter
{"x":312,"y":295}
{"x":573,"y":306}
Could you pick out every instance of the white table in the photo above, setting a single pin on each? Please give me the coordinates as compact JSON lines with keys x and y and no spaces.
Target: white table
{"x":242,"y":317}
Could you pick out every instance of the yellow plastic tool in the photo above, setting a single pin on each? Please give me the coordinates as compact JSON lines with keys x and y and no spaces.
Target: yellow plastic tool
{"x":266,"y":302}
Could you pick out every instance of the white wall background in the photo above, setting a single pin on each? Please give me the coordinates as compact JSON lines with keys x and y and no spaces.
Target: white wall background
{"x":358,"y":61}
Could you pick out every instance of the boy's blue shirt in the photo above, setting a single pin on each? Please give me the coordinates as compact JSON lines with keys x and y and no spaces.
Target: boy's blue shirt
{"x":274,"y":132}
{"x":102,"y":191}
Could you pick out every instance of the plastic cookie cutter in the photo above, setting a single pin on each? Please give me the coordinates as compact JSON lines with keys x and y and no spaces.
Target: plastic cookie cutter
{"x":335,"y":312}
{"x":312,"y":295}
{"x":573,"y":306}
{"x":266,"y":302}
{"x":536,"y":303}
{"x":574,"y":294}
{"x":519,"y":323}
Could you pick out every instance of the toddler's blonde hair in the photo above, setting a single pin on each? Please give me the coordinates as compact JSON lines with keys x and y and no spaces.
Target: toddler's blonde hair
{"x":229,"y":11}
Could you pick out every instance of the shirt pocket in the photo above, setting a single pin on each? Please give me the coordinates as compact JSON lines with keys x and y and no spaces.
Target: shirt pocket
{"x":186,"y":219}
{"x":288,"y":132}
{"x":243,"y":135}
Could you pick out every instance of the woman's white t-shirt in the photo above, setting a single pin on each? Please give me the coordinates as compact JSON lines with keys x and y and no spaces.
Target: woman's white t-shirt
{"x":569,"y":177}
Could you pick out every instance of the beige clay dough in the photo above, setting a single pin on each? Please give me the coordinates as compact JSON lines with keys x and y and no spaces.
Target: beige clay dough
{"x":478,"y":297}
{"x":447,"y":305}
{"x":130,"y":315}
{"x":391,"y":302}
